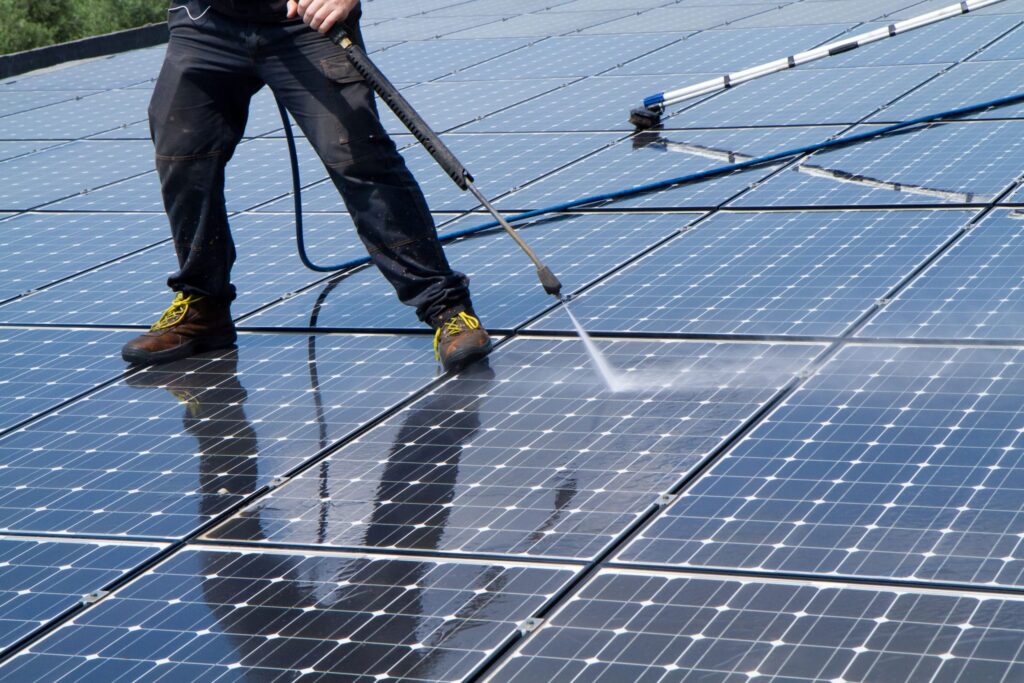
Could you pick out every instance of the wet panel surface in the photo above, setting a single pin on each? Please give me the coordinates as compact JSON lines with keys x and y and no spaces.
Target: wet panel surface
{"x":671,"y":628}
{"x":531,"y":455}
{"x":224,"y":614}
{"x":895,"y":462}
{"x":167,"y":449}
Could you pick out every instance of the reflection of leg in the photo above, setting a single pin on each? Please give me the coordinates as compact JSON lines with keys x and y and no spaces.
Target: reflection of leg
{"x":214,"y":402}
{"x":417,"y":485}
{"x":335,"y":108}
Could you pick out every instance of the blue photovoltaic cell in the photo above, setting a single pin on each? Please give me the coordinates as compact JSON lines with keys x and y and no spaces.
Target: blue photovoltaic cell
{"x":679,"y":628}
{"x":664,"y":155}
{"x":729,"y":50}
{"x":15,"y":101}
{"x":115,"y":71}
{"x":52,"y":174}
{"x":427,"y":61}
{"x":165,"y":450}
{"x":504,"y":283}
{"x":808,"y":13}
{"x":14,"y":148}
{"x":257,"y":173}
{"x":917,"y":9}
{"x":78,"y":118}
{"x":942,"y":43}
{"x":896,"y":462}
{"x":380,"y":10}
{"x":506,"y":162}
{"x":425,"y":28}
{"x":41,"y":579}
{"x":267,"y":268}
{"x":963,"y":85}
{"x":972,"y":292}
{"x":938,"y":164}
{"x":476,"y":99}
{"x":532,"y":455}
{"x":765,"y":274}
{"x":601,"y":103}
{"x":678,"y":19}
{"x":809,"y":96}
{"x":574,"y":55}
{"x":541,"y":24}
{"x":228,"y":615}
{"x":40,"y":248}
{"x":1009,"y":47}
{"x":42,"y":368}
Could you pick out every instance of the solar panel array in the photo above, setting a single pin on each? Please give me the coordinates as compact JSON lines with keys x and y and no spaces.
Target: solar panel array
{"x":803,"y":463}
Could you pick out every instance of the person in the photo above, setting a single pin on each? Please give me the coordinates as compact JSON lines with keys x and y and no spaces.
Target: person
{"x":219,"y":54}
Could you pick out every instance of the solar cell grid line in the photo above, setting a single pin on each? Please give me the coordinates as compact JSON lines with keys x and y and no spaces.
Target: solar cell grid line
{"x":40,"y":368}
{"x":257,"y":173}
{"x":41,"y":579}
{"x":804,"y":96}
{"x":530,"y":456}
{"x":667,"y":154}
{"x":16,"y":102}
{"x":506,"y":162}
{"x":9,"y":149}
{"x":674,"y":19}
{"x":579,"y":248}
{"x":41,"y":249}
{"x":893,"y":462}
{"x":960,"y":86}
{"x":971,"y":292}
{"x":727,"y":49}
{"x":794,"y":274}
{"x":670,"y":627}
{"x":1008,"y":7}
{"x":161,"y":453}
{"x":80,"y":117}
{"x":572,"y":55}
{"x":810,"y":13}
{"x":428,"y":61}
{"x":939,"y":164}
{"x":424,"y":28}
{"x":540,"y":24}
{"x":1008,"y":47}
{"x":221,"y":613}
{"x":31,"y":180}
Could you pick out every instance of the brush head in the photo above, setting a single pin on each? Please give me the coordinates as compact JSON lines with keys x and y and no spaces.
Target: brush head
{"x":550,"y":283}
{"x":644,"y":118}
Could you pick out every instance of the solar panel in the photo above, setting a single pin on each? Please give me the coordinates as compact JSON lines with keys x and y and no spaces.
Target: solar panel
{"x":1008,"y":47}
{"x":679,"y":19}
{"x":893,"y":462}
{"x":800,"y":273}
{"x":40,"y":368}
{"x":961,"y":163}
{"x":77,"y":118}
{"x":16,"y":101}
{"x":267,"y":269}
{"x":503,"y":282}
{"x":807,"y":13}
{"x":84,"y":166}
{"x":228,"y":614}
{"x":41,"y":579}
{"x":12,"y":148}
{"x":41,"y":248}
{"x":107,"y":73}
{"x":494,"y":461}
{"x":573,"y":55}
{"x":650,"y":626}
{"x":809,"y":96}
{"x":969,"y":293}
{"x":656,"y":155}
{"x":427,"y":61}
{"x":1005,"y":7}
{"x":542,"y":24}
{"x":424,"y":28}
{"x":722,"y":51}
{"x":506,"y":162}
{"x":257,"y":173}
{"x":963,"y":85}
{"x":163,"y":451}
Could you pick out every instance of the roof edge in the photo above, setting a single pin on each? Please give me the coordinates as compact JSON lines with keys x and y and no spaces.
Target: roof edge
{"x":17,"y":63}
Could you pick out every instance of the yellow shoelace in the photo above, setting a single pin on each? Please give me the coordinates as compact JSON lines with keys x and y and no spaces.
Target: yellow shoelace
{"x":175,"y":312}
{"x":452,"y":327}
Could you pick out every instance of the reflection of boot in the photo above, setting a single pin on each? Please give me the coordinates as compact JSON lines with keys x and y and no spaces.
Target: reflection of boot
{"x":214,"y":402}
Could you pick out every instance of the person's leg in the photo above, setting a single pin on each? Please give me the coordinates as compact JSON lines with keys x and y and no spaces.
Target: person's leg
{"x":197,"y":114}
{"x":336,"y":110}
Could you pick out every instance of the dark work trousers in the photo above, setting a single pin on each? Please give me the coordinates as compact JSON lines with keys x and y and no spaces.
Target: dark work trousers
{"x":200,"y":105}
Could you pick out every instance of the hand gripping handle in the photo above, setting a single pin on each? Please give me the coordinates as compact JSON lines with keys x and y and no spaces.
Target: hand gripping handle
{"x":398,"y":104}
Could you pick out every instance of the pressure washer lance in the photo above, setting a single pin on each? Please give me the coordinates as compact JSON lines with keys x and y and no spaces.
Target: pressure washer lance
{"x":430,"y":140}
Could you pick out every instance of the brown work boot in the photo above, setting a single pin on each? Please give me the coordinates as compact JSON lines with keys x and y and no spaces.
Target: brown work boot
{"x":191,"y":325}
{"x":459,"y":339}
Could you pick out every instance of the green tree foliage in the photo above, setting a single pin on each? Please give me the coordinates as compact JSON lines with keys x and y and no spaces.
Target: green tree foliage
{"x":25,"y":24}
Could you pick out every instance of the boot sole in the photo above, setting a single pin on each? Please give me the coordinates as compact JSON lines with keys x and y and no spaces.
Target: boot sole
{"x":458,"y":361}
{"x":140,"y":357}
